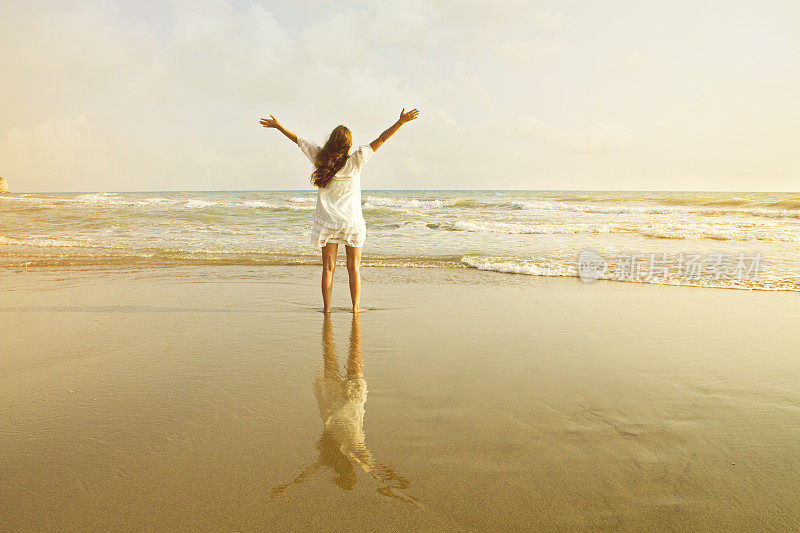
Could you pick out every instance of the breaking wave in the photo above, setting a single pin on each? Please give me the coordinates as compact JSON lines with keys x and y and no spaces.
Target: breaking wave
{"x":509,"y":232}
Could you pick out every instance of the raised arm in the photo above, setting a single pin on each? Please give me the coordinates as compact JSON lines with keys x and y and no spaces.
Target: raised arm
{"x":272,"y":122}
{"x":383,"y":137}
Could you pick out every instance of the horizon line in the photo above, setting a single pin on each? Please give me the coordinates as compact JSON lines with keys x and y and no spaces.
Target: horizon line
{"x":411,"y":190}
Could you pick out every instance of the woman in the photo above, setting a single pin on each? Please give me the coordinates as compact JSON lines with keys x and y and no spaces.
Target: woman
{"x":338,"y":218}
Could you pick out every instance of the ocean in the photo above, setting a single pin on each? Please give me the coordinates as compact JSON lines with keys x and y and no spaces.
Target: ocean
{"x":723,"y":240}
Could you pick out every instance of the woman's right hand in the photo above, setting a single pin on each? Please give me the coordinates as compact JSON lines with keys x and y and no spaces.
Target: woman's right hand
{"x":408,"y":117}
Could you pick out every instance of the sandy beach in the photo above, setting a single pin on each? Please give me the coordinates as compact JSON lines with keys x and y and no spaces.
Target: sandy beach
{"x":189,"y":398}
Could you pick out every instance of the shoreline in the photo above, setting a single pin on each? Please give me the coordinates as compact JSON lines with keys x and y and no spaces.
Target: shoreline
{"x":735,"y":240}
{"x":376,"y":266}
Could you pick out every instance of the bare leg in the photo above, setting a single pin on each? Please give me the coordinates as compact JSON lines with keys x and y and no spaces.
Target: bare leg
{"x":328,"y":266}
{"x":354,"y":272}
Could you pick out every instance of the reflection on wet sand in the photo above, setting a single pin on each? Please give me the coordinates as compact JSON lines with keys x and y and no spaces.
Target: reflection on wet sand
{"x":341,"y":398}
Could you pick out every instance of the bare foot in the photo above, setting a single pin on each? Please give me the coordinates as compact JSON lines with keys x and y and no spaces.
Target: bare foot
{"x":359,"y":309}
{"x":328,"y":310}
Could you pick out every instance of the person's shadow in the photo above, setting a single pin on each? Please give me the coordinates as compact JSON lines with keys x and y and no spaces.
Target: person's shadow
{"x":341,"y":399}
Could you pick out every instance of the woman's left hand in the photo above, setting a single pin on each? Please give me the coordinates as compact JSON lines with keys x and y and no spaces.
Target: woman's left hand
{"x":271,"y":122}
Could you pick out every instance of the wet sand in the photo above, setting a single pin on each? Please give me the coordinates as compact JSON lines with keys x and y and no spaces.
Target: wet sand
{"x":218,"y":398}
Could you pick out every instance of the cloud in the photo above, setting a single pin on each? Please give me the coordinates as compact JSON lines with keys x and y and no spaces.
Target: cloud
{"x":635,"y":59}
{"x":179,"y":108}
{"x":217,"y":50}
{"x":417,"y":167}
{"x":63,"y":150}
{"x":167,"y":95}
{"x":552,"y":20}
{"x":335,"y":40}
{"x":528,"y":53}
{"x":597,"y":137}
{"x":445,"y":117}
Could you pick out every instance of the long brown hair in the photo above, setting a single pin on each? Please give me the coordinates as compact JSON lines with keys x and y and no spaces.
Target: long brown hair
{"x":332,"y":157}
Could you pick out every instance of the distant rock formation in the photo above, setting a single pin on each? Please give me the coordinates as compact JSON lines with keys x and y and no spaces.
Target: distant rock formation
{"x":3,"y":185}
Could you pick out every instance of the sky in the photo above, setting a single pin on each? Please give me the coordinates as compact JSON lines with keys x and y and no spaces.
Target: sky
{"x":588,"y":95}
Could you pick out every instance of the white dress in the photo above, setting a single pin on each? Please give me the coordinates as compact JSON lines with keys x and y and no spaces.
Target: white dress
{"x":338,"y":217}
